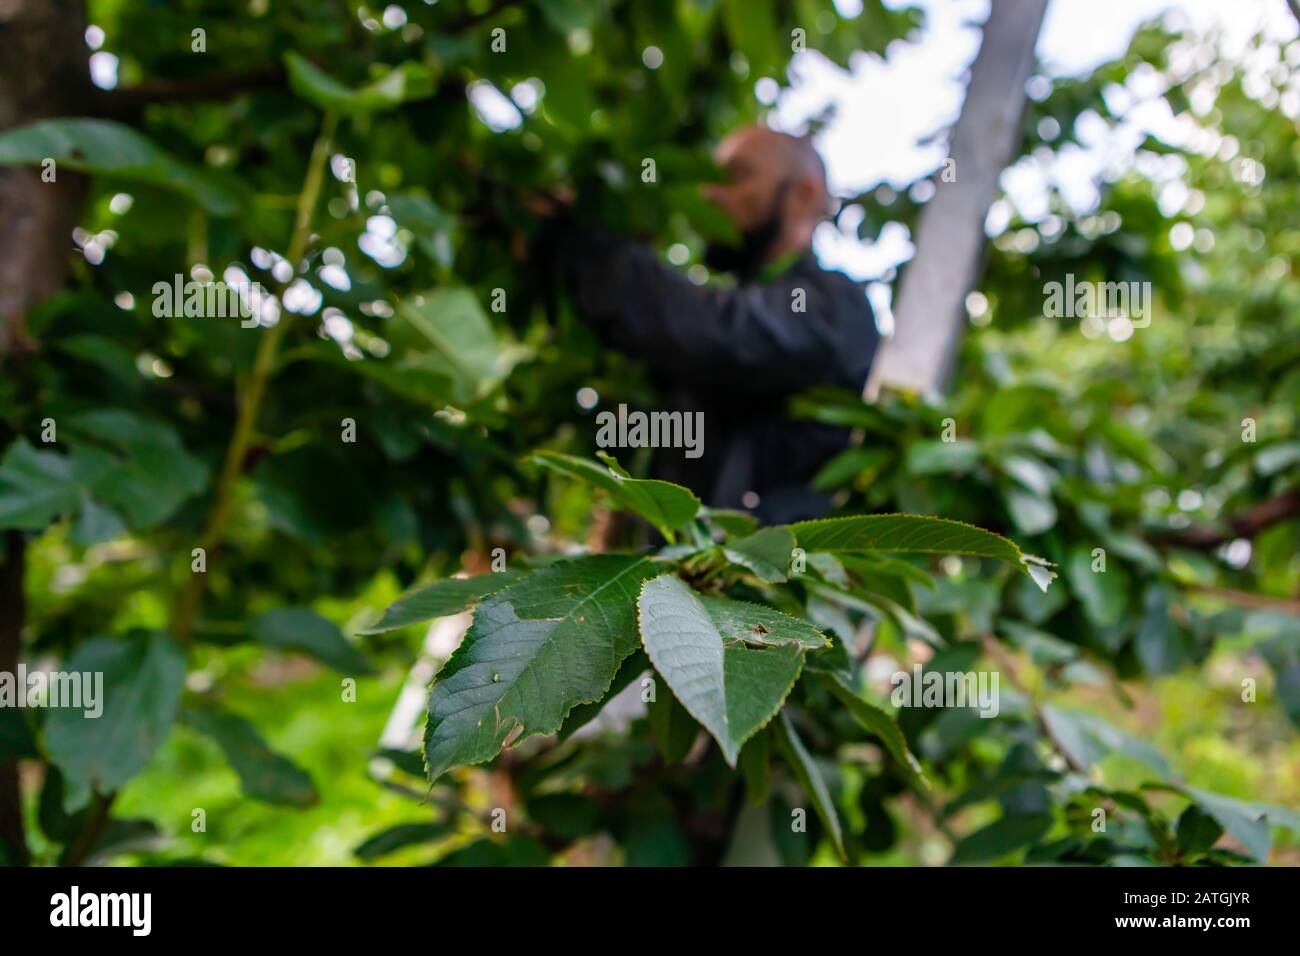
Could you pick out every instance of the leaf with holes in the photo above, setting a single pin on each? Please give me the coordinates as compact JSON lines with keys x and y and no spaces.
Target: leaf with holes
{"x":535,"y":651}
{"x":731,"y":664}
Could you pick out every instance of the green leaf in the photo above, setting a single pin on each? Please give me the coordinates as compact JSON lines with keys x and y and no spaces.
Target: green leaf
{"x":1002,"y":836}
{"x":878,"y":721}
{"x":1197,"y":830}
{"x":1032,"y":513}
{"x":1103,"y":594}
{"x":303,"y":630}
{"x":399,"y":837}
{"x":1276,"y":458}
{"x":407,"y":81}
{"x":1160,"y":644}
{"x":731,"y":664}
{"x":136,"y":465}
{"x":673,"y":728}
{"x":1247,"y":823}
{"x":767,"y":553}
{"x":752,"y":27}
{"x":1032,"y":473}
{"x":263,"y":774}
{"x":734,"y":524}
{"x":108,"y":148}
{"x":942,"y":457}
{"x":810,"y":778}
{"x":663,"y":504}
{"x":96,"y":524}
{"x":143,"y":676}
{"x":632,"y":667}
{"x":36,"y":487}
{"x":756,"y":767}
{"x":535,"y":651}
{"x":441,"y":599}
{"x":1087,"y":739}
{"x":915,"y":534}
{"x":857,"y":465}
{"x":456,"y":339}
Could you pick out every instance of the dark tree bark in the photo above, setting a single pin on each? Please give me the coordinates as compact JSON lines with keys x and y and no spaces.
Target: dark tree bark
{"x":43,"y":73}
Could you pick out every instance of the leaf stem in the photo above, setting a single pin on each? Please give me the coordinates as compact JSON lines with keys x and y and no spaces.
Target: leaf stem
{"x":250,"y":401}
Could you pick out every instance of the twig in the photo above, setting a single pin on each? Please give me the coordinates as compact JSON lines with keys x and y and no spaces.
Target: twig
{"x":1263,"y":515}
{"x":999,"y":653}
{"x":251,"y":399}
{"x":1263,"y":602}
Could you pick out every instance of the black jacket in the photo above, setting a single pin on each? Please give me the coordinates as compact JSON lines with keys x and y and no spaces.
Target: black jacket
{"x":737,"y":355}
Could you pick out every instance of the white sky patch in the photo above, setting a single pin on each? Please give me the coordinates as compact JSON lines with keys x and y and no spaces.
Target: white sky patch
{"x":302,"y":297}
{"x":891,"y":115}
{"x":103,"y":70}
{"x":493,"y":107}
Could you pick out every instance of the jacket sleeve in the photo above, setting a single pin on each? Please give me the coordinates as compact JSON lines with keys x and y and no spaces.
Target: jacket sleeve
{"x":779,"y":338}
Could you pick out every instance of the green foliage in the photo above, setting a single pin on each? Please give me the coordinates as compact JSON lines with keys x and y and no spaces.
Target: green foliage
{"x":766,"y":672}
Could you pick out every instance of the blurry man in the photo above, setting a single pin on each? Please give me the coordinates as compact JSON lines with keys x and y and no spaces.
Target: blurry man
{"x":737,"y":355}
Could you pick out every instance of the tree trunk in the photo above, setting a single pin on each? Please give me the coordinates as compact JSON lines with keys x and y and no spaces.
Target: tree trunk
{"x":930,"y":316}
{"x":43,"y":73}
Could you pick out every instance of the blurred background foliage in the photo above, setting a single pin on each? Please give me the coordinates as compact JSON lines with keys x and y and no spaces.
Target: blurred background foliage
{"x":413,"y":147}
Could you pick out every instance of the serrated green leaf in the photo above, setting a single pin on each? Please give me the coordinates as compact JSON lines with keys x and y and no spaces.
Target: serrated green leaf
{"x":535,"y":651}
{"x":905,"y":533}
{"x":583,"y":714}
{"x":663,"y":504}
{"x":441,"y":599}
{"x":730,"y":664}
{"x":767,"y":553}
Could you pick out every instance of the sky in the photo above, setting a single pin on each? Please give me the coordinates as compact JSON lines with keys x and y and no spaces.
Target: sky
{"x":884,"y":109}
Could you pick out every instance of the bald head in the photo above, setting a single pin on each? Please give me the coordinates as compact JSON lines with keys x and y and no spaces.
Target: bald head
{"x":772,"y":174}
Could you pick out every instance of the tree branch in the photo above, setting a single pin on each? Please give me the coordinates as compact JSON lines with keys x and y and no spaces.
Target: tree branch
{"x":128,"y":103}
{"x":250,"y":402}
{"x":1263,"y":515}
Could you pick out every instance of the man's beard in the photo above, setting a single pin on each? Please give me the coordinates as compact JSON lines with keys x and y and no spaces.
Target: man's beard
{"x":745,"y":258}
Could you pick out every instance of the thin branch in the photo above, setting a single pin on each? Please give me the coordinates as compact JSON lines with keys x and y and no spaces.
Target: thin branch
{"x":999,"y":653}
{"x":129,"y":102}
{"x":1265,"y":514}
{"x":251,"y":398}
{"x":1261,"y":602}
